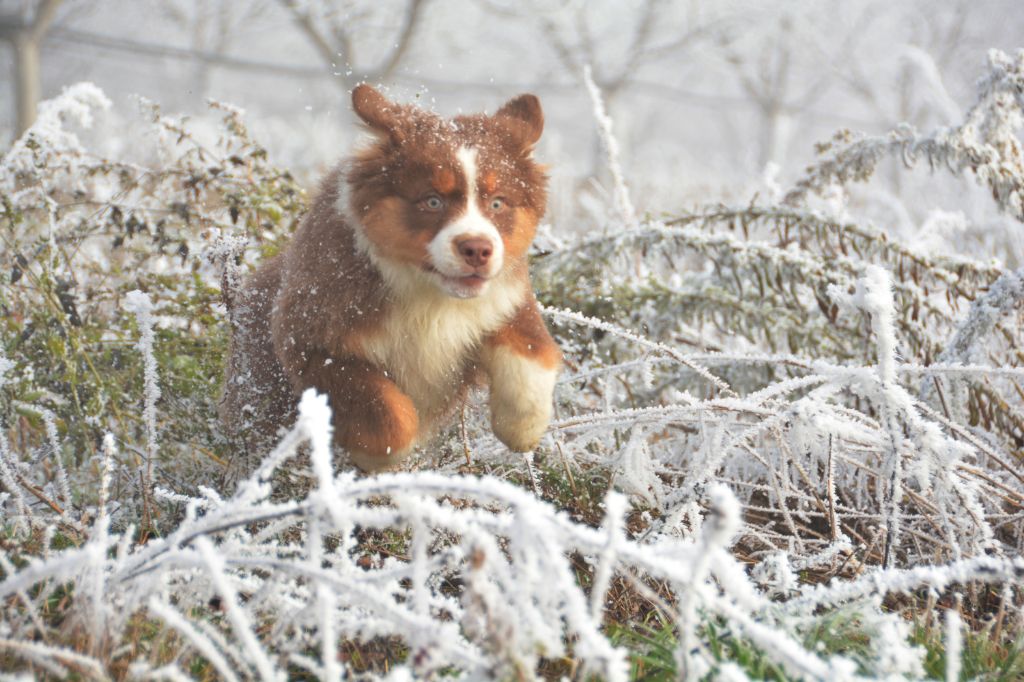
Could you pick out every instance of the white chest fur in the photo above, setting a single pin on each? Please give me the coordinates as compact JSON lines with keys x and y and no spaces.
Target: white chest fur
{"x":428,"y":338}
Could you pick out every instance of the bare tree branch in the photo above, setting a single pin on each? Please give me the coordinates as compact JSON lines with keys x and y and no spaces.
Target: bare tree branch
{"x":412,"y":16}
{"x":44,"y":17}
{"x":636,"y":49}
{"x":328,"y":52}
{"x":334,"y":45}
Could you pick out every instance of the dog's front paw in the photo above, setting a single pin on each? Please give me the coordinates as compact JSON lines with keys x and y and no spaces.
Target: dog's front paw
{"x":521,"y":431}
{"x":521,"y":397}
{"x":378,"y":427}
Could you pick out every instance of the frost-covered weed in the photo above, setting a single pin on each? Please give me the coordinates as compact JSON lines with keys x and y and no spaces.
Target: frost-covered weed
{"x":770,"y":382}
{"x":267,"y":565}
{"x":987,"y":144}
{"x":811,"y":361}
{"x":80,"y":232}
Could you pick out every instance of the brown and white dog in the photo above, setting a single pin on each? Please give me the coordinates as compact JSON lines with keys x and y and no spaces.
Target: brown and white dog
{"x":406,"y":284}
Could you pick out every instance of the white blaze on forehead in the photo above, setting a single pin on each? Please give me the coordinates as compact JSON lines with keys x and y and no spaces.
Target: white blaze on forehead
{"x":467,"y":158}
{"x":472,"y":223}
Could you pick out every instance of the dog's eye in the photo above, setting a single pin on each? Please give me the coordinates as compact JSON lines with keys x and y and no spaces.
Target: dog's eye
{"x":496,"y":204}
{"x":432,"y":203}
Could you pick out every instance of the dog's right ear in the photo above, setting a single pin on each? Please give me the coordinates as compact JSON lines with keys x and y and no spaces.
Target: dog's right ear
{"x":382,"y":115}
{"x":526,"y":117}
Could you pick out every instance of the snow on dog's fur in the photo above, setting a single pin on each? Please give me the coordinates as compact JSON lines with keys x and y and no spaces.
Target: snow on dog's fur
{"x":406,"y":284}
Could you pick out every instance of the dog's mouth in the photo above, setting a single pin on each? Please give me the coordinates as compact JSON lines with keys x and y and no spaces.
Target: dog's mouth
{"x":460,"y":286}
{"x":467,"y":280}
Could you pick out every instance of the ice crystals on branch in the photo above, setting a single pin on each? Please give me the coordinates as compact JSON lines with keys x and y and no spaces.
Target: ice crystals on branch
{"x":141,"y":306}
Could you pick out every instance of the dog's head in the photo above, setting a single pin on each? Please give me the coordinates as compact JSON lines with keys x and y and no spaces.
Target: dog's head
{"x":457,"y":200}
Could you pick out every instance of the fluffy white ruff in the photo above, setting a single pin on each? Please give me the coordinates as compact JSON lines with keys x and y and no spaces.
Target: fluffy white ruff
{"x":521,"y":397}
{"x":428,"y":335}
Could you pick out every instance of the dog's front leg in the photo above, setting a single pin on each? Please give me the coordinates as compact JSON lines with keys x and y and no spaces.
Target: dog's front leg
{"x":522,"y":362}
{"x":374,"y":421}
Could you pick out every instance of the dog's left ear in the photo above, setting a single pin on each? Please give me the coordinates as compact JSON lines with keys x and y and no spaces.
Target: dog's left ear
{"x":377,"y":111}
{"x":526,"y":118}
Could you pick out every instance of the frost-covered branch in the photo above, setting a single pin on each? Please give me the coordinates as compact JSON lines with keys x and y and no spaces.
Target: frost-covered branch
{"x":986,"y":143}
{"x":623,"y":203}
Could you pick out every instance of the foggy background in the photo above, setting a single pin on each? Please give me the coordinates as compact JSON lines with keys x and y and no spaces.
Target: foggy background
{"x":705,"y":94}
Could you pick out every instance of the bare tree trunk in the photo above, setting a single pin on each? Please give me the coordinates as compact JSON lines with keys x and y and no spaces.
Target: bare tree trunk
{"x":26,"y":80}
{"x":27,"y":40}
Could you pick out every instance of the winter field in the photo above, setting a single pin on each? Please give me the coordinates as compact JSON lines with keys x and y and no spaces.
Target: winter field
{"x":788,"y":444}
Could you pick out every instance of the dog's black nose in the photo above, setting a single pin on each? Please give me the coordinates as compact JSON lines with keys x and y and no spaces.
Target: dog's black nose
{"x":476,"y":251}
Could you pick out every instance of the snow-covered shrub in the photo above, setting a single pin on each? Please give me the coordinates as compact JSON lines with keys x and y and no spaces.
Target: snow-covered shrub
{"x":81,"y":231}
{"x":849,"y":386}
{"x":785,"y":416}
